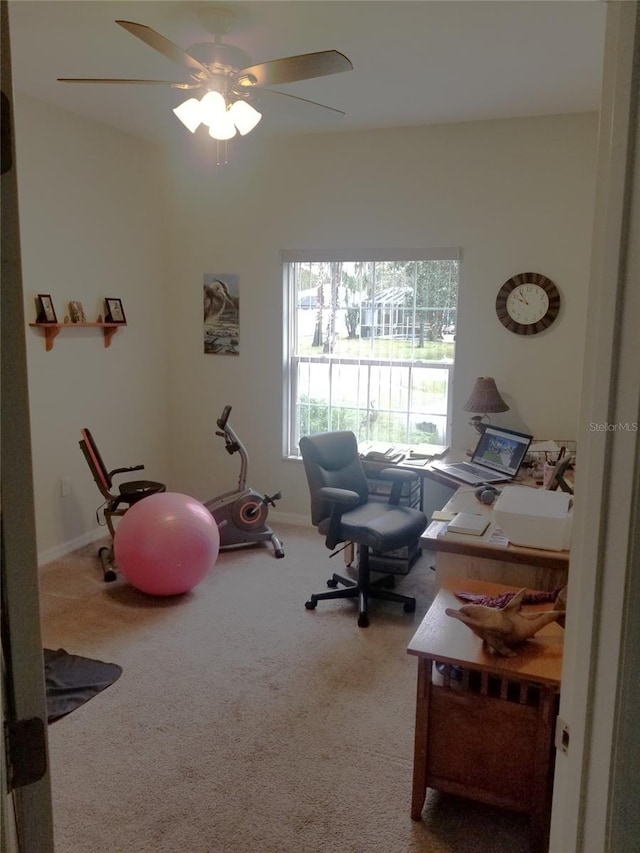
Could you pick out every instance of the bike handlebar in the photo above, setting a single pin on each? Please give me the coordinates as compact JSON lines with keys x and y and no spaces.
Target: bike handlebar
{"x":224,"y":417}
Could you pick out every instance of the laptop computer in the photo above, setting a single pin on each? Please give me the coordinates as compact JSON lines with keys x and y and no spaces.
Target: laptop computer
{"x":497,"y":458}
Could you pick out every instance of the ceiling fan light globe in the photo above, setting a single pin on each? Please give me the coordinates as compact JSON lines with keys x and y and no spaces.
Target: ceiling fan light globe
{"x":212,"y":107}
{"x":244,"y":116}
{"x":223,"y":127}
{"x":189,"y":113}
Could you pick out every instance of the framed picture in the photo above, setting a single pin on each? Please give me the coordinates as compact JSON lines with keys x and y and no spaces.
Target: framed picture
{"x":221,"y":294}
{"x":114,"y":311}
{"x":46,"y":311}
{"x":556,"y":479}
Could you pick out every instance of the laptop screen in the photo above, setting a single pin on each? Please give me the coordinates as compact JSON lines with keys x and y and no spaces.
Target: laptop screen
{"x":501,"y":450}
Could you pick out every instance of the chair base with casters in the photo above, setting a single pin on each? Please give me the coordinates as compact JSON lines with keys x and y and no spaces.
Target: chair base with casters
{"x":363,"y":589}
{"x":115,"y":503}
{"x":342,"y":512}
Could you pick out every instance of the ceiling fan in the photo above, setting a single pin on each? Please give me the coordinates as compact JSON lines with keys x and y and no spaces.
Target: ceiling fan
{"x":224,"y":81}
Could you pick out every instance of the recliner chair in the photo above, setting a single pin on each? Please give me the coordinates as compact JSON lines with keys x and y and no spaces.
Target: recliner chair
{"x":115,"y":503}
{"x":342,"y":512}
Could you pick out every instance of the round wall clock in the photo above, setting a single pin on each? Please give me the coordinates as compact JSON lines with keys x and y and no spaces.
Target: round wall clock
{"x":527,"y":303}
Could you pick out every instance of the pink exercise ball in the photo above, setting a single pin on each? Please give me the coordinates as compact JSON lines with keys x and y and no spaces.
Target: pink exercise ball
{"x":166,"y":543}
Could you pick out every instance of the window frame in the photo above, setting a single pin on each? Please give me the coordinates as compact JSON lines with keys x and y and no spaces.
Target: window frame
{"x":290,"y":376}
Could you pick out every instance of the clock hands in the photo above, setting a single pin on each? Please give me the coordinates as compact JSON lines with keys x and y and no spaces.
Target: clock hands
{"x":521,"y":298}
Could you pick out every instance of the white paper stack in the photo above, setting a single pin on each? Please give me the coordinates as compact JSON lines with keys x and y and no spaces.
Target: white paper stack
{"x":468,"y":523}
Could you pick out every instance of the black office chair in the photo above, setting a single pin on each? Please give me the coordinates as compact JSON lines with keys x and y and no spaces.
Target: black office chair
{"x":343,"y":512}
{"x":115,"y":503}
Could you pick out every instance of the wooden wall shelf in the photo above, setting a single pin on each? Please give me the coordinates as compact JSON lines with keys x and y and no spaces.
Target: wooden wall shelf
{"x":51,"y":330}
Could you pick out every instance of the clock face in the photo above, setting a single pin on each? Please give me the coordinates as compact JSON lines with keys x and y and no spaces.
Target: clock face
{"x":528,"y":303}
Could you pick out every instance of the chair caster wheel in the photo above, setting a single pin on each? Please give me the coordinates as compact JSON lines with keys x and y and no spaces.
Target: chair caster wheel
{"x":110,"y":576}
{"x":279,"y":554}
{"x":410,"y":607}
{"x":363,"y":621}
{"x":311,"y":604}
{"x":332,"y":582}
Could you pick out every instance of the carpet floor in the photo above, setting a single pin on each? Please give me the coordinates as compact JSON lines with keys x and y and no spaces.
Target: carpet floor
{"x":243,"y":723}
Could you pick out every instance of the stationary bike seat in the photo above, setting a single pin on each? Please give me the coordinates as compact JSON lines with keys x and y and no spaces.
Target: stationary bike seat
{"x":135,"y":490}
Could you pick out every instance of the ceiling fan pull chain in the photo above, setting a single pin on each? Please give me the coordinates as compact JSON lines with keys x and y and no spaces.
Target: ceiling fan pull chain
{"x":226,"y":160}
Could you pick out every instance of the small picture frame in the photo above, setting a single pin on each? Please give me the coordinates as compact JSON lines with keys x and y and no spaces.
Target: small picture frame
{"x":46,"y":311}
{"x":556,"y":479}
{"x":114,"y":312}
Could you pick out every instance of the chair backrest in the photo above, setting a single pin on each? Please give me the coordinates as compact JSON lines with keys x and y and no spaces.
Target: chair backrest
{"x":94,"y":460}
{"x":332,"y":459}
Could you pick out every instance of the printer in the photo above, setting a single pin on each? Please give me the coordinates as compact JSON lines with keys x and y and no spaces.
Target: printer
{"x":535,"y":518}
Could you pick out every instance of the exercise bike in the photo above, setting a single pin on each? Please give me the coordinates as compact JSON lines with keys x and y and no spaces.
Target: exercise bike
{"x":241,"y":514}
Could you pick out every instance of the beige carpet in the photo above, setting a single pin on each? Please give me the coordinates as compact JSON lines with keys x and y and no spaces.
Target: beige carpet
{"x":243,"y":723}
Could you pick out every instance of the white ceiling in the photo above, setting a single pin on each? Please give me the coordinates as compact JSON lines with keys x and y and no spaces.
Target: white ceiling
{"x":415,"y":63}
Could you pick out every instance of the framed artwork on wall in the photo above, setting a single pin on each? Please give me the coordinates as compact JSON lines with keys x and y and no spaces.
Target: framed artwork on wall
{"x":114,"y":310}
{"x":221,"y":308}
{"x":46,"y":311}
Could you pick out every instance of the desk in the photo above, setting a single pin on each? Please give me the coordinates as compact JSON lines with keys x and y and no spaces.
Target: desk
{"x":485,"y":730}
{"x":402,"y":457}
{"x":423,"y":467}
{"x":476,"y":557}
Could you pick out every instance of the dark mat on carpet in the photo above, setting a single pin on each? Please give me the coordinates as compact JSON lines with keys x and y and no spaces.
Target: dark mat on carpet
{"x":72,"y":680}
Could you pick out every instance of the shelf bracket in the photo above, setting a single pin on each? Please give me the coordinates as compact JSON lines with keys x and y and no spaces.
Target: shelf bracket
{"x":50,"y":334}
{"x":109,"y":332}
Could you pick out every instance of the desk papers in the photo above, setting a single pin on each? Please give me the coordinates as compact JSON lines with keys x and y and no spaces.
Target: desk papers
{"x":469,"y":523}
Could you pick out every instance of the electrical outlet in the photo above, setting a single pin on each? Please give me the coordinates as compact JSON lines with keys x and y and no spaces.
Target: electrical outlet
{"x":65,"y":487}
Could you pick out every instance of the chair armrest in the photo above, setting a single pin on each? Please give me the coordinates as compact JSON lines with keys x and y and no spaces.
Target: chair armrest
{"x":125,"y":470}
{"x":398,"y":478}
{"x":344,"y":497}
{"x":340,"y":500}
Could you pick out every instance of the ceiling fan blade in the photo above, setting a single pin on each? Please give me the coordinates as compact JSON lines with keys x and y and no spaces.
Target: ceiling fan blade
{"x":172,"y":83}
{"x":293,"y":68}
{"x":298,"y":107}
{"x":165,"y":47}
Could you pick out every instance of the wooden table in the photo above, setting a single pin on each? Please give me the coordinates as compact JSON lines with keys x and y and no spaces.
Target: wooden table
{"x":476,"y":557}
{"x":485,"y":723}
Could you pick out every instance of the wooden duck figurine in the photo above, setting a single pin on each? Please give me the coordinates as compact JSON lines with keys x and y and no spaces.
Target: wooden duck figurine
{"x":503,"y":627}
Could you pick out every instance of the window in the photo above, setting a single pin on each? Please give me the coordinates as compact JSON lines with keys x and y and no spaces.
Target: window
{"x":370,"y":345}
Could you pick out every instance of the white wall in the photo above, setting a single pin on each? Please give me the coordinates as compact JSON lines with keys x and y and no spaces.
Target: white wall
{"x":514,"y":195}
{"x":91,"y":226}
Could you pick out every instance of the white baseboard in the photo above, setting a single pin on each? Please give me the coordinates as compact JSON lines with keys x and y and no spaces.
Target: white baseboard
{"x":71,"y":545}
